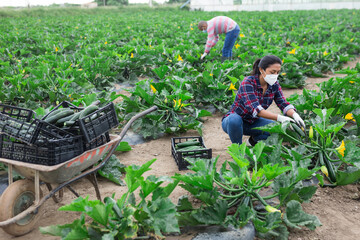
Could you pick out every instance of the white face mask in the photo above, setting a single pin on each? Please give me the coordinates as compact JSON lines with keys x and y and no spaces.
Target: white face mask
{"x":204,"y":31}
{"x":271,"y":78}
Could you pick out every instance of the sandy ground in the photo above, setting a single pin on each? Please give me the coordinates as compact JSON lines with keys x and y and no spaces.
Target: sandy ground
{"x":338,"y":209}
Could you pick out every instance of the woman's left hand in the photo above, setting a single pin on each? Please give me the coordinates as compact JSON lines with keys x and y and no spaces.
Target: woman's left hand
{"x":298,"y":120}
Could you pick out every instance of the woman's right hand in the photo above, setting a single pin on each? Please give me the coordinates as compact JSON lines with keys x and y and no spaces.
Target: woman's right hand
{"x":282,"y":119}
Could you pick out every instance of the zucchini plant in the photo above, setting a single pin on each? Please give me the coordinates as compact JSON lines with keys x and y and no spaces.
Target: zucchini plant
{"x":321,"y":143}
{"x":236,"y":193}
{"x":124,"y":218}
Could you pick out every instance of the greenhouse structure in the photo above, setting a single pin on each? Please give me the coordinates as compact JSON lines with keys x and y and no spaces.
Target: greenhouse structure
{"x":271,"y":5}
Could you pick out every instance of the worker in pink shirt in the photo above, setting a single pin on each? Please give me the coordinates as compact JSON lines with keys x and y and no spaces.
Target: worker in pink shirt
{"x":216,"y":26}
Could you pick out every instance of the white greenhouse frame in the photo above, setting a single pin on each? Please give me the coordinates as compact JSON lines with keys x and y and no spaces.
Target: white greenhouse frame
{"x":271,"y":5}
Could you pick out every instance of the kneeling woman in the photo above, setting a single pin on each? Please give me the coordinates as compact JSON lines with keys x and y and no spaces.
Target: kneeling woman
{"x":255,"y":95}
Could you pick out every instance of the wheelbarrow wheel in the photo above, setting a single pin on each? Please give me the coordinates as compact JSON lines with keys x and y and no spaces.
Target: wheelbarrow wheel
{"x":16,"y":198}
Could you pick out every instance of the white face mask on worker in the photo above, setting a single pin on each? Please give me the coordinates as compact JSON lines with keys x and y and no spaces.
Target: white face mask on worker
{"x":271,"y":78}
{"x":204,"y":31}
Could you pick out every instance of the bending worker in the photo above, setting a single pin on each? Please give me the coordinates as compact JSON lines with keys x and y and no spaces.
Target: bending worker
{"x":218,"y":25}
{"x":255,"y":95}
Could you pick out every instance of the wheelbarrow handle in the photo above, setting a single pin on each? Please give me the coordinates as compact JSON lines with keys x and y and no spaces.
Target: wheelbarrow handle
{"x":139,"y":115}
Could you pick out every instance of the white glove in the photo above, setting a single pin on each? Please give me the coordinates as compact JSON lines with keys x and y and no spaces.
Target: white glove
{"x":203,"y":56}
{"x":298,"y":120}
{"x":282,"y":119}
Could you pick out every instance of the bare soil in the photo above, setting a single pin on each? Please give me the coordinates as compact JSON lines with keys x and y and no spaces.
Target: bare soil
{"x":337,"y":208}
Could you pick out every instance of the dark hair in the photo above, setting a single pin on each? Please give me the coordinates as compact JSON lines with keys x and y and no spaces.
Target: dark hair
{"x":264,"y":63}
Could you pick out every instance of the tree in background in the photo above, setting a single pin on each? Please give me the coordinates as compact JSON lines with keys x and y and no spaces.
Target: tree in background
{"x":176,"y":1}
{"x":112,"y":2}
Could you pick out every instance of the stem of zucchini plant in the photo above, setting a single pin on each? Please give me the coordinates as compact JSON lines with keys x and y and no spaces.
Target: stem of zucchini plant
{"x":227,"y":187}
{"x":271,"y":196}
{"x":261,"y":217}
{"x":255,"y":160}
{"x":247,"y":175}
{"x":232,"y":196}
{"x":301,"y":143}
{"x":234,"y":202}
{"x":262,"y":185}
{"x":261,"y":213}
{"x":260,"y":180}
{"x":255,"y":194}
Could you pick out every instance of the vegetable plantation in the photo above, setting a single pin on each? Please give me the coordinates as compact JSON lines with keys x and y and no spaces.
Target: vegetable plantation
{"x":54,"y":55}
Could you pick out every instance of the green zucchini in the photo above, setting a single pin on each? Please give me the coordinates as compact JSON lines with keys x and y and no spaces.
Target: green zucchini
{"x":88,"y":110}
{"x":192,"y":142}
{"x":61,"y":121}
{"x":75,"y":116}
{"x":69,"y":123}
{"x":190,"y":148}
{"x":62,"y":114}
{"x":330,"y":168}
{"x":53,"y":113}
{"x":297,"y":129}
{"x":321,"y":158}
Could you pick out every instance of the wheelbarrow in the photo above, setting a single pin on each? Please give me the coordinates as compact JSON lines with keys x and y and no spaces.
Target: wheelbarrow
{"x":20,"y":203}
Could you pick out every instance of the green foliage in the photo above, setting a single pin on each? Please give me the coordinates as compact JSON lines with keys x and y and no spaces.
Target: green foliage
{"x":113,"y":170}
{"x":69,"y":54}
{"x":124,"y":218}
{"x":233,"y":186}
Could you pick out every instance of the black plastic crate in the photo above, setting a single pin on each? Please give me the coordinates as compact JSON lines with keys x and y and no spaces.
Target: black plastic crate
{"x":101,"y":140}
{"x":99,"y":122}
{"x":180,"y":156}
{"x":17,"y":112}
{"x":31,"y":132}
{"x":51,"y":152}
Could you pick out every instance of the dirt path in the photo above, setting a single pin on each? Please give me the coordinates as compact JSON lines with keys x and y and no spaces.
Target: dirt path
{"x":338,"y":209}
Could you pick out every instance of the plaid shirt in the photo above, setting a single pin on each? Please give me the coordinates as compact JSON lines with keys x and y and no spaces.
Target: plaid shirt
{"x":249,"y":100}
{"x":218,"y":25}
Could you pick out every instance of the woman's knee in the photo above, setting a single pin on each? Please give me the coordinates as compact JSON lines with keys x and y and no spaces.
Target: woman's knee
{"x":235,"y":121}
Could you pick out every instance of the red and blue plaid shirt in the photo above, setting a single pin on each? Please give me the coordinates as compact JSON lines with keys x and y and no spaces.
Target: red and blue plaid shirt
{"x":249,"y":100}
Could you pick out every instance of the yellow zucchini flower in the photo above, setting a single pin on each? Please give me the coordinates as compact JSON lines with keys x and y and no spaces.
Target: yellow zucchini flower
{"x":341,"y":148}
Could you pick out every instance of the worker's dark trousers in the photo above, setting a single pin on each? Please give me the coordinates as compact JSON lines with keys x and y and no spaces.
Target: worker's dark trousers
{"x":230,"y":40}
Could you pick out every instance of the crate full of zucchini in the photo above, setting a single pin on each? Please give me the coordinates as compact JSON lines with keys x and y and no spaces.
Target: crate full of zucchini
{"x":65,"y":132}
{"x":188,"y":147}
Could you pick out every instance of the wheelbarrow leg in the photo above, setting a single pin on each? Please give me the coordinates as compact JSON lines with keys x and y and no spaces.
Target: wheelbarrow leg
{"x":55,"y":198}
{"x":92,"y":178}
{"x":72,"y":190}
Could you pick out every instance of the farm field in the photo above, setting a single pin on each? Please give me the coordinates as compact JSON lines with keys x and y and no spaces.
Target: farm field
{"x":337,"y":208}
{"x":52,"y":55}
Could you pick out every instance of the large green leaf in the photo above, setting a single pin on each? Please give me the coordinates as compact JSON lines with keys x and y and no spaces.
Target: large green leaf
{"x":278,"y":233}
{"x":184,"y":204}
{"x":151,"y":184}
{"x":75,"y":230}
{"x":295,"y":217}
{"x":272,"y":171}
{"x":163,"y":216}
{"x":79,"y":204}
{"x":161,"y":71}
{"x":348,"y":176}
{"x":272,"y":221}
{"x":112,"y":170}
{"x":237,"y":152}
{"x":123,"y":147}
{"x":212,"y":215}
{"x":134,"y":172}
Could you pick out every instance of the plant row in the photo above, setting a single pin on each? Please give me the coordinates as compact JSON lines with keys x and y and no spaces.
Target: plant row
{"x":264,"y":184}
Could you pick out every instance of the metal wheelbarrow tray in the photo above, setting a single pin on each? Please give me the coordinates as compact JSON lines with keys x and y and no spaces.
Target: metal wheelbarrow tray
{"x":21,"y":201}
